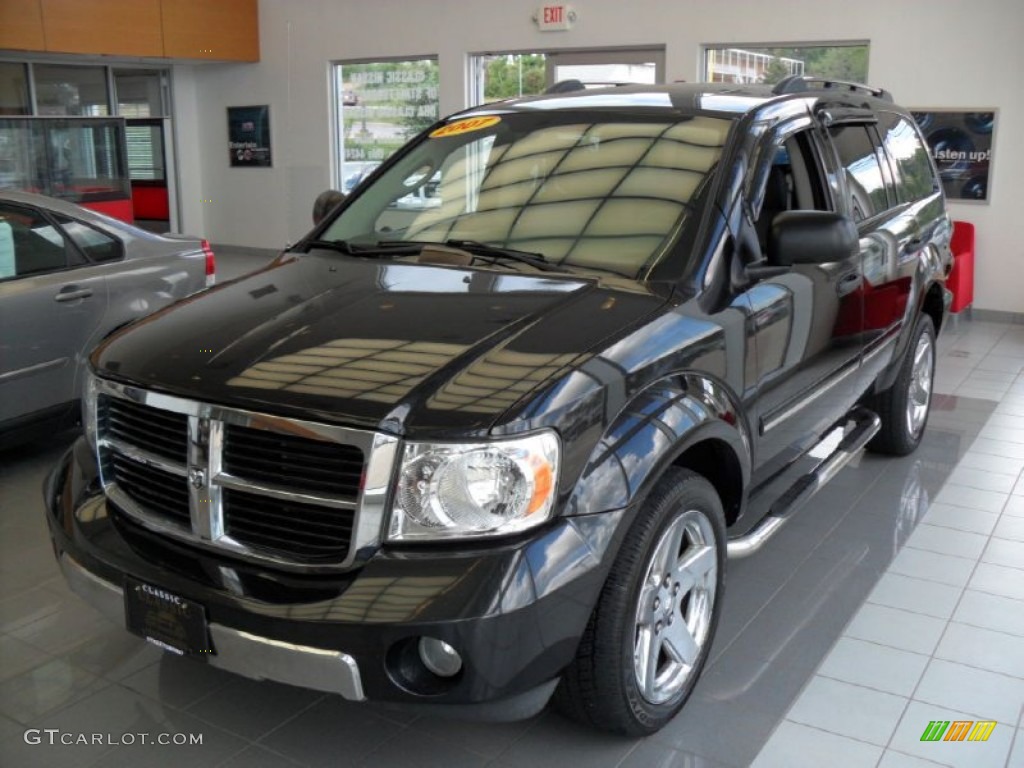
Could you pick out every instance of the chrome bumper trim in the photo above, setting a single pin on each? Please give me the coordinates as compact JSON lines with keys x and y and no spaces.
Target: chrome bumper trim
{"x":253,"y":656}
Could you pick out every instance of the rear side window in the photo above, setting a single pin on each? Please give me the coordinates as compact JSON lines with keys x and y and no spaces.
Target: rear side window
{"x":97,"y":246}
{"x":29,"y":243}
{"x":915,"y":178}
{"x":864,"y":181}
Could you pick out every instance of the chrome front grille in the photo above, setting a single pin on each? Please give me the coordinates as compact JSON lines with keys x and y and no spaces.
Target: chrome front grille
{"x":163,"y":432}
{"x":315,"y":465}
{"x":297,"y":494}
{"x":160,"y":492}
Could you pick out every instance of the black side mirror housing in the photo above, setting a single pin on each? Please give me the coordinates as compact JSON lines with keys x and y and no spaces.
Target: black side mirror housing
{"x":326,"y":202}
{"x":811,"y":237}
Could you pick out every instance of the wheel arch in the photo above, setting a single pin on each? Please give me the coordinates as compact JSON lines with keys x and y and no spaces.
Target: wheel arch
{"x":688,"y":420}
{"x":931,"y":302}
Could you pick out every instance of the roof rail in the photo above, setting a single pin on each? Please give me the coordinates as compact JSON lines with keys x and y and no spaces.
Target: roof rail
{"x":566,"y":86}
{"x":801,"y":83}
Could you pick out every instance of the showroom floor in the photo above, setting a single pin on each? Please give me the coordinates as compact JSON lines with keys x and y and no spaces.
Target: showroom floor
{"x":894,"y":599}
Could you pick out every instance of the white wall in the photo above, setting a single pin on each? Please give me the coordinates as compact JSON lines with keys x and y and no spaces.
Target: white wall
{"x":934,"y":53}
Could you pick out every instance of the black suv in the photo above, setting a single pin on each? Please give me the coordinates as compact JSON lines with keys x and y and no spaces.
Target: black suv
{"x":500,"y":444}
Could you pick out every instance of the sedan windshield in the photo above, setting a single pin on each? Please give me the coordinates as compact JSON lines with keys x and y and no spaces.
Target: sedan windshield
{"x":596,"y":191}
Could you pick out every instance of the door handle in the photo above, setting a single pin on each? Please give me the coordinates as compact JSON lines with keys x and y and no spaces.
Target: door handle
{"x":73,"y":293}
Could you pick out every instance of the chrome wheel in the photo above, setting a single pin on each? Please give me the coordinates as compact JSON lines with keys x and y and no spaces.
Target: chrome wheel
{"x":919,"y":393}
{"x":675,"y":607}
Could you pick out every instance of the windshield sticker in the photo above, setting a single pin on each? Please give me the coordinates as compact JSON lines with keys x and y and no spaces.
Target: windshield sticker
{"x":464,"y":126}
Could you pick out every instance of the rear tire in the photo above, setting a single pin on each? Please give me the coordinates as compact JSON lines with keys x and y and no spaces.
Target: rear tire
{"x":904,"y":406}
{"x":651,"y":630}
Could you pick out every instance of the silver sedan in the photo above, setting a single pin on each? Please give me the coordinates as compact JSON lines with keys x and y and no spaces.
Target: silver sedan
{"x":68,"y":278}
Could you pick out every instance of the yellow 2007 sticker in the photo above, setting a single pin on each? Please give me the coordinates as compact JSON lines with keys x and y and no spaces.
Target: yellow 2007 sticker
{"x":464,"y":126}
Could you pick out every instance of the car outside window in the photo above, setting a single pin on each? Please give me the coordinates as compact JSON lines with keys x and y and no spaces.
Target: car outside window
{"x":29,"y":243}
{"x":97,"y":246}
{"x":864,"y":182}
{"x":915,"y":178}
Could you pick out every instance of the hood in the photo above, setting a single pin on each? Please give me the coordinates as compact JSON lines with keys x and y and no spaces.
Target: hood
{"x":373,"y":343}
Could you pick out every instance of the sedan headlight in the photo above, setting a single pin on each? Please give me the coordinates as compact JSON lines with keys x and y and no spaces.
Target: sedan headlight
{"x":475,"y":489}
{"x":89,"y":394}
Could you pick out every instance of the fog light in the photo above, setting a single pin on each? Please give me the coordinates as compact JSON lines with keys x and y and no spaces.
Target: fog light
{"x":439,"y":657}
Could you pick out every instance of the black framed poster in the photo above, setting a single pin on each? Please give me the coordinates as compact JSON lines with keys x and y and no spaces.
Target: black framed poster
{"x":249,"y":136}
{"x":960,"y":142}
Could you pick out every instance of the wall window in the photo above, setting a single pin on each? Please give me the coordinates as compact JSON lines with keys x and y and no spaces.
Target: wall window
{"x":14,"y":90}
{"x":379,"y":107}
{"x":141,"y":92}
{"x":77,"y":159}
{"x":508,"y":75}
{"x":864,"y":181}
{"x":496,"y":76}
{"x":743,"y":64}
{"x":71,"y":91}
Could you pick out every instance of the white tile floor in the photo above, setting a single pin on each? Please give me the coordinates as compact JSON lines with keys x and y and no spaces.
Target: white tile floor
{"x":941,"y":636}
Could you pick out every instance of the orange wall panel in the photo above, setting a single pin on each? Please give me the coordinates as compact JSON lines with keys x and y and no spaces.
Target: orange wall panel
{"x":212,"y":29}
{"x":114,"y":27}
{"x":21,"y":25}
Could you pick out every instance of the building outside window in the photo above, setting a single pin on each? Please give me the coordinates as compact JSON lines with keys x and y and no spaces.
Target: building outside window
{"x":769,"y":65}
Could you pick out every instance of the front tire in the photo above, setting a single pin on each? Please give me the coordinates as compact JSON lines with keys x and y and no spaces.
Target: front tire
{"x":904,"y":407}
{"x":651,"y":630}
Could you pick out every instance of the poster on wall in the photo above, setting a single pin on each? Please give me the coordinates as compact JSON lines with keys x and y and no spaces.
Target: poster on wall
{"x":249,"y":136}
{"x":960,"y":142}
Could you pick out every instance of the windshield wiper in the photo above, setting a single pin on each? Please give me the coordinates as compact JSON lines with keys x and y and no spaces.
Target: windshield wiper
{"x":369,"y":249}
{"x":332,"y":245}
{"x":497,"y":252}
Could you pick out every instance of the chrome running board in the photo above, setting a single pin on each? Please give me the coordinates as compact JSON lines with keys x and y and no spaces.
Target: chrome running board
{"x":865,"y":425}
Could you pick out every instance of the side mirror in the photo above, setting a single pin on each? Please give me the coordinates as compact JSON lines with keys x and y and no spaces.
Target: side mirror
{"x":811,"y":237}
{"x":326,"y":202}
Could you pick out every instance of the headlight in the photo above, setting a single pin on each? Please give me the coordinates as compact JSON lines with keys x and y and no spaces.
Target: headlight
{"x":475,"y":489}
{"x":89,"y":392}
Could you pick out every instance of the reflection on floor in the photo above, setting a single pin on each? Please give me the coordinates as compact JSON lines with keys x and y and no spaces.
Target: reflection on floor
{"x":848,"y":632}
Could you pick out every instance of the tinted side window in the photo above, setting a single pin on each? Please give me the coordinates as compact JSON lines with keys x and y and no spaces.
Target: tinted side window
{"x":915,"y":178}
{"x":863,"y":173}
{"x":97,"y":246}
{"x":29,"y":243}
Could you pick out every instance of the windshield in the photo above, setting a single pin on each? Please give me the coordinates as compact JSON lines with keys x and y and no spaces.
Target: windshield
{"x":596,"y":191}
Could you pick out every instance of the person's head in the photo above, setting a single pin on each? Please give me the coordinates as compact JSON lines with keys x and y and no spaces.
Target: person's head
{"x":326,"y":202}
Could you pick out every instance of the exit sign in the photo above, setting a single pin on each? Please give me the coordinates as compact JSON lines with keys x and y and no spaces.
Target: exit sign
{"x":555,"y":18}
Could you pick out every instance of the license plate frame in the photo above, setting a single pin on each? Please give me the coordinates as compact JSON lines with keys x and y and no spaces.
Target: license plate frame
{"x":165,"y":619}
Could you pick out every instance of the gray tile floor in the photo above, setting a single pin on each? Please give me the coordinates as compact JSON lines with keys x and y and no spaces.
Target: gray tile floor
{"x":895,"y":598}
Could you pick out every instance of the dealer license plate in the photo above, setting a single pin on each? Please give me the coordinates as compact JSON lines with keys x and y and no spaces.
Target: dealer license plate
{"x":165,"y":619}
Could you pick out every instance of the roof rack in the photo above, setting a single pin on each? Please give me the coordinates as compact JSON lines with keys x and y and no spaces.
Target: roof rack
{"x":801,"y":83}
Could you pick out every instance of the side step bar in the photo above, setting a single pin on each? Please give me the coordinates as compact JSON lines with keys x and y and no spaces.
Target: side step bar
{"x":865,"y":425}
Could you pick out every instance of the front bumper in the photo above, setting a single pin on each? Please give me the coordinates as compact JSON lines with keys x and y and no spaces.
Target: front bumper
{"x":240,"y":652}
{"x":514,"y":610}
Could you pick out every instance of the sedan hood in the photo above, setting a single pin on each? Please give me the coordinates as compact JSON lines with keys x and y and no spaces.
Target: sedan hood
{"x":379,"y":344}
